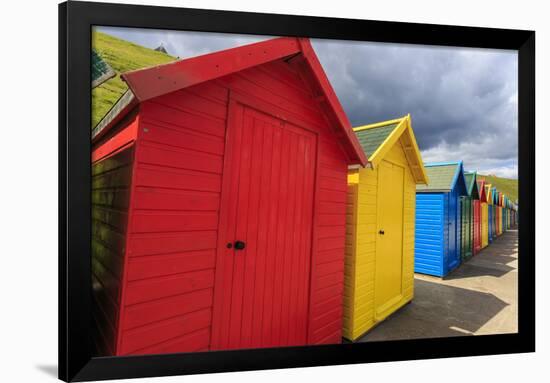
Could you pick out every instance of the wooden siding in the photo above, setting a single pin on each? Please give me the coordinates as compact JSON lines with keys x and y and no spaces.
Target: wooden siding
{"x":111,"y":179}
{"x":279,"y":86}
{"x":500,"y":220}
{"x":438,"y":234}
{"x":491,"y":221}
{"x":466,"y":222}
{"x":173,"y":223}
{"x":262,"y":290}
{"x":477,"y":226}
{"x":173,"y":228}
{"x":361,"y":234}
{"x":431,"y":236}
{"x":352,"y":208}
{"x":447,"y":235}
{"x":453,"y":258}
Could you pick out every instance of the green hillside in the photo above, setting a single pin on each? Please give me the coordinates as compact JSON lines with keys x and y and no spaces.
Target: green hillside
{"x":122,"y":56}
{"x":507,"y":186}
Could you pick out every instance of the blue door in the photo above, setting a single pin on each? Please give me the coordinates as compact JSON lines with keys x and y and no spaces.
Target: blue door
{"x":458,"y":220}
{"x":430,"y":234}
{"x":453,"y":254}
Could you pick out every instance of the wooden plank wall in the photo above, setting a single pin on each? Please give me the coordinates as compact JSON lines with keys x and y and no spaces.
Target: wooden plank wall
{"x":362,"y":221}
{"x":111,"y":180}
{"x":173,"y":226}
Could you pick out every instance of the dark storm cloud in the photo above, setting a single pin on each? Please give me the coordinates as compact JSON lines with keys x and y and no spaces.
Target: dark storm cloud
{"x":463,"y":102}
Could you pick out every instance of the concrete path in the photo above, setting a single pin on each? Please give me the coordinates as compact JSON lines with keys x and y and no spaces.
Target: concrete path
{"x":480,"y":297}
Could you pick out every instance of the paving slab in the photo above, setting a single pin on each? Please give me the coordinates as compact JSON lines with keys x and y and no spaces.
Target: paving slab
{"x":479,"y":297}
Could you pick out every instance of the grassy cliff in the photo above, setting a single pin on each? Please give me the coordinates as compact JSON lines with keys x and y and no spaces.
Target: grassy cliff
{"x":122,"y":56}
{"x":507,"y":186}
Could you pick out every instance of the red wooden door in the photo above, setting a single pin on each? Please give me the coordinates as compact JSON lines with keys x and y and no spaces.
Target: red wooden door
{"x":477,"y":226}
{"x":261,"y":291}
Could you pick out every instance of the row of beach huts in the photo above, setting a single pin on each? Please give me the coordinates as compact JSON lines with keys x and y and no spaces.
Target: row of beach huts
{"x":234,"y":206}
{"x":406,"y":215}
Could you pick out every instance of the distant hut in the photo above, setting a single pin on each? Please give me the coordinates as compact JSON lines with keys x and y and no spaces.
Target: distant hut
{"x":489,"y":190}
{"x":471,"y":241}
{"x":438,"y":219}
{"x":161,"y":48}
{"x":484,"y":213}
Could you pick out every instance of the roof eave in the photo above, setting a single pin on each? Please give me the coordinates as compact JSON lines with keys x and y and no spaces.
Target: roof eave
{"x":433,"y":190}
{"x":473,"y":190}
{"x":380,"y":152}
{"x":118,"y":111}
{"x":156,"y":81}
{"x":357,"y":155}
{"x":162,"y":79}
{"x":424,"y":179}
{"x":403,"y":125}
{"x":459,"y":180}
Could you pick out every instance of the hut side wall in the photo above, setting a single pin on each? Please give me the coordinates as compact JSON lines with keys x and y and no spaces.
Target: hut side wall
{"x":173,"y":228}
{"x":111,"y":180}
{"x":476,"y":226}
{"x":173,"y":233}
{"x":361,"y":229}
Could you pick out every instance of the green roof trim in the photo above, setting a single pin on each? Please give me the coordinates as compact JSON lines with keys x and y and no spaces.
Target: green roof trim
{"x":441,"y":178}
{"x":371,"y":139}
{"x":471,"y":184}
{"x":444,"y":176}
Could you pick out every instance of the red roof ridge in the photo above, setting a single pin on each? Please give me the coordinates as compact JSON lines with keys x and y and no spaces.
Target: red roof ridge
{"x":162,"y":79}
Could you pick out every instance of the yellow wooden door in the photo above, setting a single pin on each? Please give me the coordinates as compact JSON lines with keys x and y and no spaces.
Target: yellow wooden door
{"x":388,"y":288}
{"x":484,"y":225}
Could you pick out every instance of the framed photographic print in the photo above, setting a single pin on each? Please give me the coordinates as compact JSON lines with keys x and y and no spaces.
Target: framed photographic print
{"x":248,"y":191}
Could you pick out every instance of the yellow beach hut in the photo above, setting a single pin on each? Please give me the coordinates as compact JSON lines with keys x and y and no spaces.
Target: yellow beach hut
{"x":484,"y":213}
{"x":379,"y":267}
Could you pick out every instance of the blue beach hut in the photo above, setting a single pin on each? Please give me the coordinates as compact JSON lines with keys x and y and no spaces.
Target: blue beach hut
{"x":438,"y":219}
{"x":495,"y":215}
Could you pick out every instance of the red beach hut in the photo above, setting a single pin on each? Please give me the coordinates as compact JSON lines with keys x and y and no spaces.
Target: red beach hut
{"x":219,"y":202}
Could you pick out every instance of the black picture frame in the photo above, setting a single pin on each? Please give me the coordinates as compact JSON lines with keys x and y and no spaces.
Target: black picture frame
{"x":75,"y":22}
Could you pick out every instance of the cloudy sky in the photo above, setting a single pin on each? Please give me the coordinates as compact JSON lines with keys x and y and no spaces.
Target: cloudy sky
{"x":463,"y":102}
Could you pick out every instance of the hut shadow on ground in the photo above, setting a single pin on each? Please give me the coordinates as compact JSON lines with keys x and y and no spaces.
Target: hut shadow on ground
{"x":468,"y":270}
{"x":502,"y":259}
{"x":495,"y":260}
{"x":438,"y":311}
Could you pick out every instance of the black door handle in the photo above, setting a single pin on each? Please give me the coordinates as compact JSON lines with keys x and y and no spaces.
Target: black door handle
{"x":381,"y":232}
{"x":239,"y":245}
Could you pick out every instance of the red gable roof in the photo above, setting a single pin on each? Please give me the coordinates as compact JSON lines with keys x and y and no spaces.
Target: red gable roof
{"x":482,"y":193}
{"x":156,"y":81}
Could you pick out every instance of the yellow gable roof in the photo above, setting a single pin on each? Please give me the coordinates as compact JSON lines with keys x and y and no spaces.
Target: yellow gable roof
{"x":377,"y":140}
